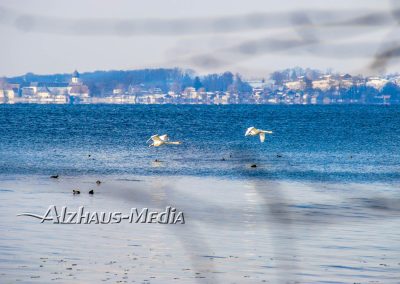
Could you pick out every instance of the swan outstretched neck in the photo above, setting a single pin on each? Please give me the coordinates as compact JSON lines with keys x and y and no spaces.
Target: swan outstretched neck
{"x":174,"y":143}
{"x":266,"y":131}
{"x":252,"y":131}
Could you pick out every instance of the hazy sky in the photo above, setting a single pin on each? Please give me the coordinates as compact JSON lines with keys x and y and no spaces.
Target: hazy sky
{"x":251,"y":37}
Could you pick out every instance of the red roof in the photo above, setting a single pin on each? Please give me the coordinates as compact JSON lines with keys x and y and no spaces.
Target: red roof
{"x":79,"y":89}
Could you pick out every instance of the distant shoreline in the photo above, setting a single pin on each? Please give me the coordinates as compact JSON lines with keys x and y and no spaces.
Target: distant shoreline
{"x":178,"y":86}
{"x":199,"y":104}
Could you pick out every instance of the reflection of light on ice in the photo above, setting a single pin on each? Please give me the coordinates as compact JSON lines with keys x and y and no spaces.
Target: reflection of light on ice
{"x":252,"y":230}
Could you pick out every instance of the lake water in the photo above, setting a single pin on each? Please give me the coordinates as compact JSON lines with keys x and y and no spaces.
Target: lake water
{"x":316,"y":143}
{"x":322,"y":205}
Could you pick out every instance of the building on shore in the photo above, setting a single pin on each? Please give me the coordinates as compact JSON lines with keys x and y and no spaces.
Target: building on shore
{"x":296,"y":88}
{"x":55,"y":92}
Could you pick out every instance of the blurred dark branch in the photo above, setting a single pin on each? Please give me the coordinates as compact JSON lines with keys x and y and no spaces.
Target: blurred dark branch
{"x":187,"y":26}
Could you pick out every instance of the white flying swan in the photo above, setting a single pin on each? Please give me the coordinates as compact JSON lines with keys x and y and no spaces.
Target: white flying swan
{"x":252,"y":131}
{"x":159,"y":140}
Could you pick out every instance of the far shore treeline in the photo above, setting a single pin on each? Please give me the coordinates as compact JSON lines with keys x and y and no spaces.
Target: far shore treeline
{"x":175,"y":79}
{"x":175,"y":85}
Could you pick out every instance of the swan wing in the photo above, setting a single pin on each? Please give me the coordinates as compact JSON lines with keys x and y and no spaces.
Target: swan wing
{"x":154,"y":138}
{"x":248,"y":131}
{"x":262,"y":137}
{"x":164,"y":137}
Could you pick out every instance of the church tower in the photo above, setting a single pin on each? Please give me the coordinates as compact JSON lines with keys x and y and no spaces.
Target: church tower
{"x":75,"y":78}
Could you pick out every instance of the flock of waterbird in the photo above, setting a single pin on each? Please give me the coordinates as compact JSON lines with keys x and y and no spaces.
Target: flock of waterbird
{"x":159,"y":140}
{"x":77,"y":191}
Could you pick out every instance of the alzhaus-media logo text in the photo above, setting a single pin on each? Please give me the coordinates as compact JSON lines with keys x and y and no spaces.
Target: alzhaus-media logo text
{"x":169,"y":216}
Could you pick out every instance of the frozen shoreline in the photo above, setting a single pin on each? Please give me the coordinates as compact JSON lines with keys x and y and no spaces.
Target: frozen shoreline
{"x":245,"y":231}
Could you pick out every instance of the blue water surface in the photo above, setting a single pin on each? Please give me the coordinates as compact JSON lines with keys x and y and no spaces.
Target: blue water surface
{"x":313,"y":143}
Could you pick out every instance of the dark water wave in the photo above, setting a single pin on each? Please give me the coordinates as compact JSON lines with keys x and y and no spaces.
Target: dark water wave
{"x":317,"y":143}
